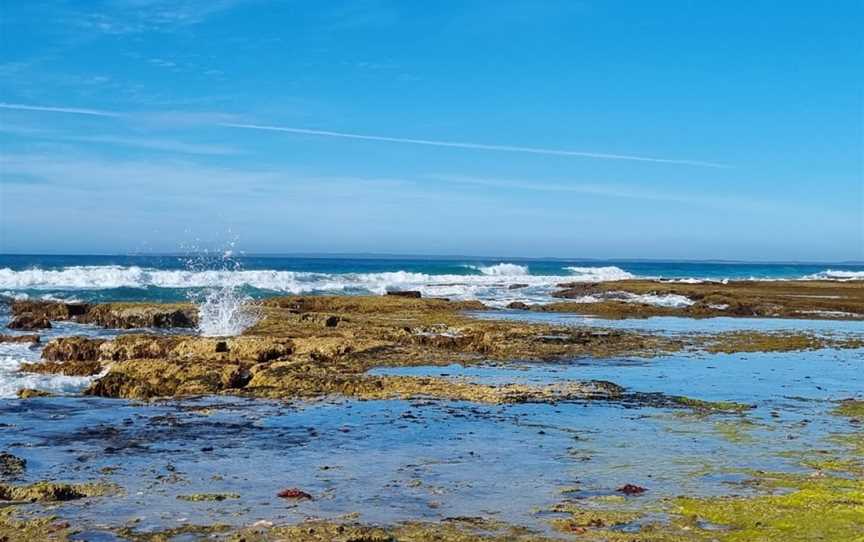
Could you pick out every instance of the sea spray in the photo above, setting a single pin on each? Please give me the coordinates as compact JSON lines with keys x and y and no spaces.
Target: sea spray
{"x":224,"y":310}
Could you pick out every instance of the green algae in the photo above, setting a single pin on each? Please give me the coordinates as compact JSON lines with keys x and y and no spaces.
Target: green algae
{"x":712,"y":406}
{"x":816,"y":508}
{"x":850,"y":408}
{"x":52,"y":491}
{"x":17,"y":529}
{"x":184,"y":532}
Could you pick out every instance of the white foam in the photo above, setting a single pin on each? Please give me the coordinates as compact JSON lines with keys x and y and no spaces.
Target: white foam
{"x":12,"y":355}
{"x":664,"y":300}
{"x":836,"y":274}
{"x":598,"y":274}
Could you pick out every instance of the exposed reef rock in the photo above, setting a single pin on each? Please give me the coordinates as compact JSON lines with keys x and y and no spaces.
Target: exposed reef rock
{"x":26,"y":339}
{"x":29,"y":321}
{"x":51,"y":492}
{"x":52,"y":310}
{"x":315,"y":346}
{"x":112,"y":315}
{"x":812,"y":299}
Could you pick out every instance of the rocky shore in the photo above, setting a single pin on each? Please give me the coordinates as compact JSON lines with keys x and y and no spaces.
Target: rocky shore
{"x":311,"y":348}
{"x":804,"y":299}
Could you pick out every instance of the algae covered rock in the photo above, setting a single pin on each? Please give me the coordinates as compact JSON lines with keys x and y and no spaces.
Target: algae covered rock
{"x":29,"y":393}
{"x":72,"y":349}
{"x":29,"y":321}
{"x":51,"y":310}
{"x":141,"y":315}
{"x":51,"y":491}
{"x":11,"y":465}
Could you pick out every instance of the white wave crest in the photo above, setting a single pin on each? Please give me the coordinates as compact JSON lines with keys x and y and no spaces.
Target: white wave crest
{"x":490,"y":286}
{"x":836,"y":274}
{"x":598,"y":274}
{"x":501,"y":269}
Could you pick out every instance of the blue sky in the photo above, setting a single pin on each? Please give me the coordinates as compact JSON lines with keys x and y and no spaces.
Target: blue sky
{"x":675,"y":129}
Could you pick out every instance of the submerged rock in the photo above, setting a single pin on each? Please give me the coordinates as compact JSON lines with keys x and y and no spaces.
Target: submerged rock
{"x":29,"y":393}
{"x":11,"y":465}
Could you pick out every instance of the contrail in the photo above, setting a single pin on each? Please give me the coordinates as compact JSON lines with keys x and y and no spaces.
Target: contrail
{"x":388,"y":139}
{"x":71,"y":110}
{"x":475,"y":146}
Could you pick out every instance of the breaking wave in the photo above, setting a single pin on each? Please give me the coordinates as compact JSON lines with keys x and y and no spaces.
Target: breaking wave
{"x":496,"y":285}
{"x":501,"y":269}
{"x":835,"y":274}
{"x":11,"y":381}
{"x":599,"y":274}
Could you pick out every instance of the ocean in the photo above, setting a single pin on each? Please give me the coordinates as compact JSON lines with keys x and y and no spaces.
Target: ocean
{"x":496,"y":282}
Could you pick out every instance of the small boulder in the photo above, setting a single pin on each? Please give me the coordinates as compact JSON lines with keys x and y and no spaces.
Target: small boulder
{"x":294,"y":493}
{"x":26,"y":339}
{"x":631,"y":489}
{"x":29,"y":321}
{"x":518,"y":305}
{"x":11,"y":465}
{"x":29,"y":393}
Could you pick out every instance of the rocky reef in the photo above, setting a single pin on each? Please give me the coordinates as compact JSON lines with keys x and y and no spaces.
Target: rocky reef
{"x":35,"y":314}
{"x":819,"y":299}
{"x":314,"y":346}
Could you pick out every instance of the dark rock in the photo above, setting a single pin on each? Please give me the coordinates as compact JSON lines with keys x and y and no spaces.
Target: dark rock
{"x":574,"y":290}
{"x":11,"y":465}
{"x":29,"y":339}
{"x":517,"y":286}
{"x":28,"y":321}
{"x":631,"y":489}
{"x":518,"y":305}
{"x":294,"y":493}
{"x":52,"y":310}
{"x":414,"y":294}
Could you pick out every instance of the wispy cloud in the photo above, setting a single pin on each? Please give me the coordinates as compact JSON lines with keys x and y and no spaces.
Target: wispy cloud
{"x":135,"y":16}
{"x":390,"y":139}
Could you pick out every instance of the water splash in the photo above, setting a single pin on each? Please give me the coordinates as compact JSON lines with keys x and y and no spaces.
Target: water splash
{"x":224,"y":310}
